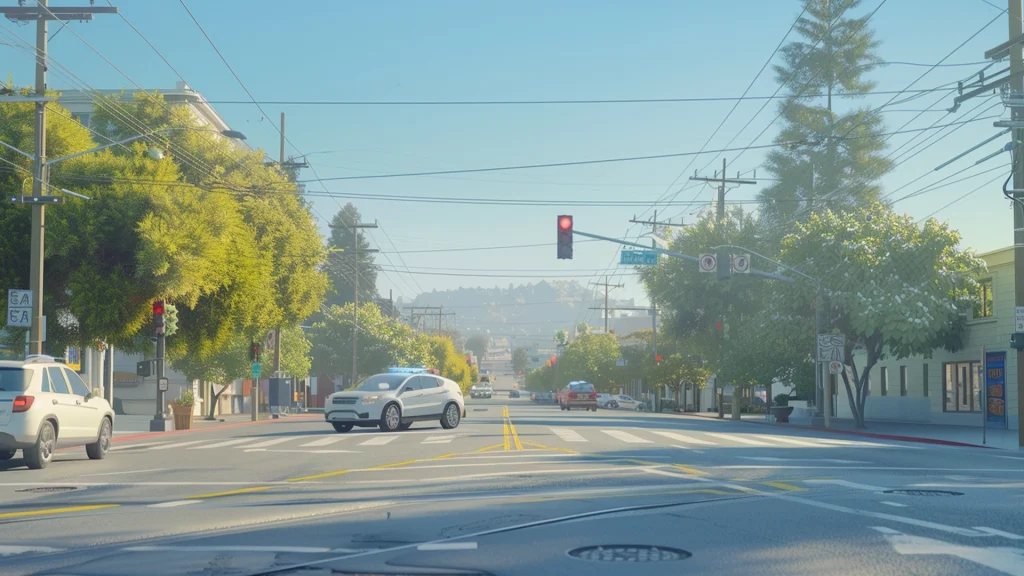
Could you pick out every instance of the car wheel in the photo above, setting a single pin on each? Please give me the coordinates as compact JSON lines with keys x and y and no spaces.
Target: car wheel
{"x":639,"y":407}
{"x":406,"y":426}
{"x":613,"y":404}
{"x":98,"y":449}
{"x":451,"y":416}
{"x":40,"y":454}
{"x":339,"y":427}
{"x":6,"y":454}
{"x":391,"y":419}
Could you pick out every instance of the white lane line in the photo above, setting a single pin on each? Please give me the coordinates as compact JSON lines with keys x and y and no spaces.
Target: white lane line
{"x":681,"y":438}
{"x":379,"y":440}
{"x":893,"y":504}
{"x":885,"y":530}
{"x":568,"y":435}
{"x":178,"y":444}
{"x":772,"y":459}
{"x":795,"y":441}
{"x":626,"y":437}
{"x":438,"y":439}
{"x":868,"y":468}
{"x":994,"y":532}
{"x":694,"y":450}
{"x":881,"y":516}
{"x":14,"y":550}
{"x":327,"y":441}
{"x":296,"y":451}
{"x":438,"y":546}
{"x":222,"y":444}
{"x":1000,"y":559}
{"x":143,"y":445}
{"x":124,"y":472}
{"x":848,"y":484}
{"x":282,"y":549}
{"x":737,"y":438}
{"x":174,"y":503}
{"x":271,"y":442}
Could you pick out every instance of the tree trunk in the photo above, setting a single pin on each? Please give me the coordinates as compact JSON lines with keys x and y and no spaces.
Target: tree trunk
{"x":213,"y":403}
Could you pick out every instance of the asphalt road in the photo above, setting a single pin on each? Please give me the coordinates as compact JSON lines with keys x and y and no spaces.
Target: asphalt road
{"x":517,"y":489}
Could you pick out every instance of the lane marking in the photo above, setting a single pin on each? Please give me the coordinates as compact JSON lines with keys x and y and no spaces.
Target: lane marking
{"x":512,"y":428}
{"x":681,"y":438}
{"x":174,"y":503}
{"x":885,"y":530}
{"x":994,"y":532}
{"x":771,"y":459}
{"x":15,"y":550}
{"x":467,"y":477}
{"x":271,"y":549}
{"x":568,"y":435}
{"x":543,"y":447}
{"x":296,"y":451}
{"x":318,"y":476}
{"x":124,"y":472}
{"x":873,"y":468}
{"x":880,"y":515}
{"x":505,"y":442}
{"x":327,"y":441}
{"x":438,"y":439}
{"x":737,"y":438}
{"x":143,"y":445}
{"x":626,"y":437}
{"x":487,"y":449}
{"x":177,"y":445}
{"x":848,"y":484}
{"x":1001,"y":559}
{"x":222,"y":444}
{"x":48,"y":511}
{"x":893,"y":504}
{"x":694,"y":450}
{"x":270,"y":442}
{"x":689,"y":470}
{"x":230,"y":492}
{"x":794,"y":441}
{"x":440,"y":546}
{"x":784,"y":486}
{"x":379,"y":440}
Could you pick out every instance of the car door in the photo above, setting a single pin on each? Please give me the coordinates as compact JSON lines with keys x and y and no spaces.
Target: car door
{"x":436,"y":396}
{"x":65,"y":406}
{"x":412,"y":398}
{"x":626,"y":402}
{"x":89,"y":409}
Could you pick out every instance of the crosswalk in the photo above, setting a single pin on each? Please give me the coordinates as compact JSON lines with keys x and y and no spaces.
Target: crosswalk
{"x":553,"y":436}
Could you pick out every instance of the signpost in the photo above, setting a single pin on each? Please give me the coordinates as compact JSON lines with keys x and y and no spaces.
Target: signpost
{"x":835,"y":367}
{"x":638,"y":258}
{"x":255,"y":371}
{"x":708,"y":263}
{"x":19,"y":308}
{"x":741,"y":263}
{"x":162,"y":383}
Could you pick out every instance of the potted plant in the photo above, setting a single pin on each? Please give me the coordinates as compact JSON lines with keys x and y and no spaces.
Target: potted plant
{"x":181,"y":408}
{"x":781,"y":410}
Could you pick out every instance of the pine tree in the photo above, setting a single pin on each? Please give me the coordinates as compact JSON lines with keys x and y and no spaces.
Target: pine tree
{"x":838,"y":161}
{"x":340,"y":261}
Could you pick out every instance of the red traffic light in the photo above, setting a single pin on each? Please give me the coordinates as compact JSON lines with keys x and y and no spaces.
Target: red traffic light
{"x":158,"y":306}
{"x":565,"y":222}
{"x":553,"y":359}
{"x":657,"y":358}
{"x":719,"y":325}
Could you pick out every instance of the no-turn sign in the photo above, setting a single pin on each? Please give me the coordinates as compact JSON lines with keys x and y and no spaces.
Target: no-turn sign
{"x":741,"y":263}
{"x":708,"y":263}
{"x":835,"y":367}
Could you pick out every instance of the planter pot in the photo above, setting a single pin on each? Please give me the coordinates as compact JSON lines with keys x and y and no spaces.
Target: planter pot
{"x":182,"y":416}
{"x":782,"y":413}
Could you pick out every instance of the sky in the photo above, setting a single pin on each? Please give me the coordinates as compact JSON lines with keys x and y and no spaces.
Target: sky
{"x":536,"y":50}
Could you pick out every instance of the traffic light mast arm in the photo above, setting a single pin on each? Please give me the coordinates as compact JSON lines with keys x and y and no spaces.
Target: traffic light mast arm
{"x":675,"y":254}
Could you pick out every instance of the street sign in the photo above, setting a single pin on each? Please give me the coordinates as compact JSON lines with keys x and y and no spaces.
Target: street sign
{"x":36,"y":199}
{"x":638,"y":258}
{"x":835,"y":367}
{"x":741,"y":263}
{"x":708,"y":262}
{"x":161,"y":384}
{"x":1019,"y":324}
{"x":270,"y":340}
{"x":831,"y":347}
{"x":256,"y":371}
{"x":19,"y":308}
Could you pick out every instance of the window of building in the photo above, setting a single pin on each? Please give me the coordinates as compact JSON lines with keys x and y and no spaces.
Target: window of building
{"x":884,"y":380}
{"x":983,"y":302}
{"x":961,"y":386}
{"x":83,"y":118}
{"x":903,"y":380}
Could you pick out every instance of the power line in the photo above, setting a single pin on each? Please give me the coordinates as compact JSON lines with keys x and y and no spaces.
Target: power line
{"x":466,"y":275}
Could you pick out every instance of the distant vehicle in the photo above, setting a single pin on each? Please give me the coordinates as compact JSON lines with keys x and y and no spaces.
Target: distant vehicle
{"x":543,"y":397}
{"x":578,"y":395}
{"x":513,"y":393}
{"x":44,"y":405}
{"x":617,"y":401}
{"x":481,"y":390}
{"x":394,"y":400}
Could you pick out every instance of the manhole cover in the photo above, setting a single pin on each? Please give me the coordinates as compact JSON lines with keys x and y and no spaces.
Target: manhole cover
{"x":629,"y":553}
{"x":924,"y":492}
{"x":51,"y":489}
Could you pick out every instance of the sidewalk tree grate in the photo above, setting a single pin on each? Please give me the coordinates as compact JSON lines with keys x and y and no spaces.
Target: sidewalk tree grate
{"x":924,"y":492}
{"x":51,"y":489}
{"x":629,"y":553}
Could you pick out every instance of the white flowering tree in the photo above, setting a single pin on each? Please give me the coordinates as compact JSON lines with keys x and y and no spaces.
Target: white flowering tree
{"x":890,"y":286}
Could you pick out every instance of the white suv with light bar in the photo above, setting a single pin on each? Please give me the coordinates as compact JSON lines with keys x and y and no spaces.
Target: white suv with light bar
{"x":44,"y":405}
{"x":396,"y":399}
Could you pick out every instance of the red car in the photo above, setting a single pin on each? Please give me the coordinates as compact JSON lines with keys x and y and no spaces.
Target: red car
{"x":578,"y":395}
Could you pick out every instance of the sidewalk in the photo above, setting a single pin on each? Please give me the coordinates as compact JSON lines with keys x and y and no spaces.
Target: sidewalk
{"x":926,"y":433}
{"x":131,"y":425}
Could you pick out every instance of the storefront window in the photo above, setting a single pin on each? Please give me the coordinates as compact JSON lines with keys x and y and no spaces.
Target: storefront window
{"x":962,"y":384}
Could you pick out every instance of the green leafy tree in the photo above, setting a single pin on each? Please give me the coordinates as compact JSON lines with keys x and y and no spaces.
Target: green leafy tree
{"x":892,"y":287}
{"x":592,"y":358}
{"x":477,"y":344}
{"x":383,"y":341}
{"x":342,"y":268}
{"x":449,"y":362}
{"x":520,"y":361}
{"x":295,"y":352}
{"x":838,"y":161}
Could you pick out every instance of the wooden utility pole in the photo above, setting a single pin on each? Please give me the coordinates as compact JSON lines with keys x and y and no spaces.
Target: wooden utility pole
{"x":42,"y":13}
{"x":277,"y":331}
{"x":1017,"y":115}
{"x":606,"y":286}
{"x":356,"y":251}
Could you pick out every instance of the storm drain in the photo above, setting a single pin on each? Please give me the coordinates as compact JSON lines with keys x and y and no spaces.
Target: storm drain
{"x":51,"y":489}
{"x":924,"y":492}
{"x":629,"y":553}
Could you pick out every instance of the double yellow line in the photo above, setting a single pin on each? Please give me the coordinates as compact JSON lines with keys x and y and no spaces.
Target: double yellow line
{"x":511,"y":437}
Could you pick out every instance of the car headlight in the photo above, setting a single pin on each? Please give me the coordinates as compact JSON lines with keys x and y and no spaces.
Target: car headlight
{"x":371,"y":399}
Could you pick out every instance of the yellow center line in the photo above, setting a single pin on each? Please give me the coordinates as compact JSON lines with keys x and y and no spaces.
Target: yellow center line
{"x":504,"y":426}
{"x":784,"y":486}
{"x":317,"y":476}
{"x":512,"y":428}
{"x":486,"y":449}
{"x":543,"y":447}
{"x":67,"y":510}
{"x":690,"y":470}
{"x":229,"y":492}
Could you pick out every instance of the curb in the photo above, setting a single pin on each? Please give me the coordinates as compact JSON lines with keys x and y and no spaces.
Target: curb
{"x":142,"y":435}
{"x":895,"y":437}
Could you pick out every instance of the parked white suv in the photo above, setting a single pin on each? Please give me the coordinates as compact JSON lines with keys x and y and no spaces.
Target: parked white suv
{"x":44,"y":405}
{"x":393,"y":401}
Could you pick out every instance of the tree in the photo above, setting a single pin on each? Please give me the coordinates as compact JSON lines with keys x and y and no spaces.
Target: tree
{"x":477,"y":344}
{"x":582,"y":328}
{"x":892,"y":287}
{"x":383,"y":341}
{"x":561,"y":337}
{"x":837,"y":161}
{"x":295,"y":352}
{"x":340,"y":261}
{"x":590,"y":357}
{"x":451,"y":364}
{"x":520,"y":361}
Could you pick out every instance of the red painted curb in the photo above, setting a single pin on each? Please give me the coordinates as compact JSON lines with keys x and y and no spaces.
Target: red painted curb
{"x":142,"y":435}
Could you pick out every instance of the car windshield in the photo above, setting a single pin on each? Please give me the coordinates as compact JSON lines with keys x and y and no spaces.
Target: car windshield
{"x":14,"y":379}
{"x":581,"y":387}
{"x":381,"y":383}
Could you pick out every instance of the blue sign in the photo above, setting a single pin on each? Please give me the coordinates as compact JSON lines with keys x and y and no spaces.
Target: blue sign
{"x":406,"y":370}
{"x":995,"y":388}
{"x":638,"y":258}
{"x":256,"y":371}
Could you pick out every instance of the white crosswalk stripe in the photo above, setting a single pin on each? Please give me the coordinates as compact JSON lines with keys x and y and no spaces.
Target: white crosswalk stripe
{"x":379,"y":440}
{"x":569,"y":435}
{"x":438,"y":439}
{"x":222,"y":444}
{"x":737,"y":438}
{"x":794,"y":441}
{"x":177,"y":445}
{"x":626,"y":437}
{"x":323,"y":441}
{"x":270,"y":442}
{"x":682,"y":438}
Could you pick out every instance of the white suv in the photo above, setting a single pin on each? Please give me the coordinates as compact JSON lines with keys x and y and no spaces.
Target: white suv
{"x":44,"y":405}
{"x":393,"y":401}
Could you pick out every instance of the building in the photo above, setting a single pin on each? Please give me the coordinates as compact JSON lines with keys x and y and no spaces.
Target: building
{"x":948,"y":387}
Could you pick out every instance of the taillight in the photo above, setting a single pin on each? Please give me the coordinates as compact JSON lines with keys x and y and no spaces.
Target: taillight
{"x":23,"y":403}
{"x":572,"y":394}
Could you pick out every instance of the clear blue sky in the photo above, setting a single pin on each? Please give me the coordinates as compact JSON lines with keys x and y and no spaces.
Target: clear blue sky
{"x":527,"y":49}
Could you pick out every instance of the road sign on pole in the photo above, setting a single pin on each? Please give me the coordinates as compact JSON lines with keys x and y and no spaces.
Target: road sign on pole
{"x":835,"y":367}
{"x":741,"y":264}
{"x":1019,"y":324}
{"x":19,"y":308}
{"x":256,"y":371}
{"x":708,"y":262}
{"x":638,"y":258}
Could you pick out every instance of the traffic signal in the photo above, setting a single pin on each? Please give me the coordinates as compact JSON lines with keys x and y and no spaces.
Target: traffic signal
{"x":565,"y":237}
{"x":254,"y":352}
{"x":158,"y":316}
{"x":657,"y":358}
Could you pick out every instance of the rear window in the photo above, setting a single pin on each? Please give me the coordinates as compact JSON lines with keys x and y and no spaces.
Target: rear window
{"x":14,"y":379}
{"x":582,"y":387}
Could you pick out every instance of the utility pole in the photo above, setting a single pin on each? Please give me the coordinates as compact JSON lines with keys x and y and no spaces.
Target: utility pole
{"x":606,"y":287}
{"x":654,"y":223}
{"x":277,"y":330}
{"x":42,"y":14}
{"x":1017,"y":115}
{"x":355,"y":226}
